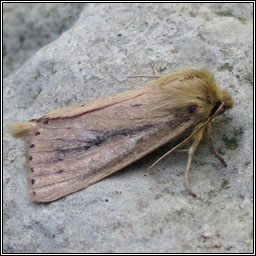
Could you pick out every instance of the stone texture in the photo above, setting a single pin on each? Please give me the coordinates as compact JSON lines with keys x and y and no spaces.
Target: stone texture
{"x":135,"y":211}
{"x":25,"y":34}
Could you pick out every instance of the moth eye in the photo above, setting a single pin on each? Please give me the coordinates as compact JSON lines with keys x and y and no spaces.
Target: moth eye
{"x":214,"y":109}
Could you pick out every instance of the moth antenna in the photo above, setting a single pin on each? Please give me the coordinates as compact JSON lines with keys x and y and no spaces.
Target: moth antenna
{"x":19,"y":129}
{"x":182,"y":150}
{"x":148,"y":76}
{"x":176,"y":147}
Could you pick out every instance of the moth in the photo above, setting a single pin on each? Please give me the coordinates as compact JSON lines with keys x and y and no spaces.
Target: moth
{"x":71,"y":148}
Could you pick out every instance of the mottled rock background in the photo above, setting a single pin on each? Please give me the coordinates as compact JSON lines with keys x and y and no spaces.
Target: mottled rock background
{"x":131,"y":211}
{"x":28,"y":27}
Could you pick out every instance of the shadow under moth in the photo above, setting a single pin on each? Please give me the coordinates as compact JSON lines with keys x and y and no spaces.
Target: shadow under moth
{"x":70,"y":148}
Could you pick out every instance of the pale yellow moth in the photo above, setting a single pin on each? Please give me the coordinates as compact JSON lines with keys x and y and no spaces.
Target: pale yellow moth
{"x":70,"y":148}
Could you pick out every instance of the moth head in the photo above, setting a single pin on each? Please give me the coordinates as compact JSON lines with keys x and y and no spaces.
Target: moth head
{"x":226,"y":99}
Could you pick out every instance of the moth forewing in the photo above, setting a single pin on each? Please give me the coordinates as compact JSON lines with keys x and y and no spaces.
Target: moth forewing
{"x":70,"y":148}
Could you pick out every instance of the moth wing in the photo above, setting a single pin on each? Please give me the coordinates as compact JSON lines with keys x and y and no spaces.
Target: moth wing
{"x":68,"y":152}
{"x":92,"y":105}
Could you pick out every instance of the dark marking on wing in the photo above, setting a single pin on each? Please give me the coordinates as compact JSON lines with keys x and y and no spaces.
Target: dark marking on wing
{"x":192,"y":109}
{"x":136,"y":105}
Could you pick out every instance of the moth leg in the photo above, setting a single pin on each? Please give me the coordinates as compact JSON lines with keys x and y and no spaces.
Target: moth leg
{"x":191,"y":153}
{"x":153,"y":65}
{"x":213,"y":149}
{"x":156,"y":74}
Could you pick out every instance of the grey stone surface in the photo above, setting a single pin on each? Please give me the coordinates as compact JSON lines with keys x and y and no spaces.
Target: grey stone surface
{"x":135,"y":211}
{"x":29,"y":26}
